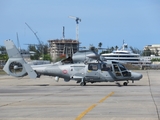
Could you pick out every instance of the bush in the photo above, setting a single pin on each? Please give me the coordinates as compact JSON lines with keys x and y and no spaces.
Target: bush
{"x":155,"y":59}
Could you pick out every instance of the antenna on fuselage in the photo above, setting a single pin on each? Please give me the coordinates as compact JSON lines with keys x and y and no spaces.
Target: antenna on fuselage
{"x":19,"y":48}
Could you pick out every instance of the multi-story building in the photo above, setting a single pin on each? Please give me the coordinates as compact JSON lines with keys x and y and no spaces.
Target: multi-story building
{"x":60,"y":47}
{"x":153,"y":48}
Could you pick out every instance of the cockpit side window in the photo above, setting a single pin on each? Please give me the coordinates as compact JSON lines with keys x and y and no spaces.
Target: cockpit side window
{"x":93,"y":67}
{"x":116,"y":70}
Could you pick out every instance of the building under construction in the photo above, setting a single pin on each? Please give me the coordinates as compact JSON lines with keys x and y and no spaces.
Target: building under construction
{"x":62,"y":47}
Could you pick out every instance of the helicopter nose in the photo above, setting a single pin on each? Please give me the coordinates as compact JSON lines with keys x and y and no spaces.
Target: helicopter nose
{"x":136,"y":76}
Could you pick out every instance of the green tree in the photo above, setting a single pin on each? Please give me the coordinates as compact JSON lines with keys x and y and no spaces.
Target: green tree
{"x":4,"y":57}
{"x":155,"y":60}
{"x":2,"y":48}
{"x":112,"y":49}
{"x":47,"y":57}
{"x":116,"y":47}
{"x":37,"y":54}
{"x":136,"y":50}
{"x":100,"y":45}
{"x":108,"y":50}
{"x":147,"y":52}
{"x":45,"y":49}
{"x":156,"y":52}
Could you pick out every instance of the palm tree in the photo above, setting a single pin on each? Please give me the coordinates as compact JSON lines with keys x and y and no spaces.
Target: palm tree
{"x":116,"y":47}
{"x":100,"y":45}
{"x":112,"y":49}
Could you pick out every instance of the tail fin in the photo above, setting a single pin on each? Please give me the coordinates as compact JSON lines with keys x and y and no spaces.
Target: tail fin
{"x":12,"y":51}
{"x":16,"y":66}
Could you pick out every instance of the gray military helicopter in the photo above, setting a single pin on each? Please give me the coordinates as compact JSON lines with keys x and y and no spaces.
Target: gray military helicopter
{"x":84,"y":66}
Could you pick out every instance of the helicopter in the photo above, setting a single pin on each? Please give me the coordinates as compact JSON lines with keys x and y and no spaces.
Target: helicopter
{"x":85,"y":66}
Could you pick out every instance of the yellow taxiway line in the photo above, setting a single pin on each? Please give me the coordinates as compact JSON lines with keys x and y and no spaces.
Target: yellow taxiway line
{"x":80,"y":116}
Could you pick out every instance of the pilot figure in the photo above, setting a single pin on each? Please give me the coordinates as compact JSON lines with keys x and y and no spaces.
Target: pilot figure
{"x":104,"y":68}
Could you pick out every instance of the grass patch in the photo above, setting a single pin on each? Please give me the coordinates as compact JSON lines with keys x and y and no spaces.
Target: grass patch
{"x":2,"y":72}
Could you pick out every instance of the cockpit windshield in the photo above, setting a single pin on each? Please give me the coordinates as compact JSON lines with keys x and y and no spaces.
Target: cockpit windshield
{"x":122,"y":67}
{"x":120,"y":70}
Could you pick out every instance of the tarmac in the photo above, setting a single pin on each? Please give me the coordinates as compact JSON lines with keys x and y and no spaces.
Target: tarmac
{"x":46,"y":99}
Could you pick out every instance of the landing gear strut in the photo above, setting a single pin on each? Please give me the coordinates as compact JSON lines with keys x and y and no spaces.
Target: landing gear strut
{"x":83,"y":83}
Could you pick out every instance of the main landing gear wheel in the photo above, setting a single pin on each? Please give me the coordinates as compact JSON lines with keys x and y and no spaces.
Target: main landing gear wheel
{"x":125,"y":83}
{"x":83,"y":83}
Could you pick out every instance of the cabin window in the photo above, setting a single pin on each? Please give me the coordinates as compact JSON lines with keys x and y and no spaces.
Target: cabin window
{"x":93,"y":67}
{"x":105,"y":67}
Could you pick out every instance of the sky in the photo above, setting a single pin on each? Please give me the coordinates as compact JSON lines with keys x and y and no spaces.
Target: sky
{"x":137,"y":22}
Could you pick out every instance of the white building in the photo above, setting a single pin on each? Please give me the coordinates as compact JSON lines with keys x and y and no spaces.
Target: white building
{"x":154,"y":48}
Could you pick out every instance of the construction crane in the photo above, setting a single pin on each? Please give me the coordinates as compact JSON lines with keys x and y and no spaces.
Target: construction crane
{"x":77,"y":19}
{"x":34,"y":34}
{"x":40,"y":44}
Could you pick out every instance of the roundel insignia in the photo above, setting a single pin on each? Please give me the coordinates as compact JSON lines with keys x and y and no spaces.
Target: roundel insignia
{"x":64,"y":71}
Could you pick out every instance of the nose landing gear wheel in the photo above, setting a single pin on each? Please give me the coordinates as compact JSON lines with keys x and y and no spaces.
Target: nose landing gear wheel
{"x":125,"y":83}
{"x":83,"y":83}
